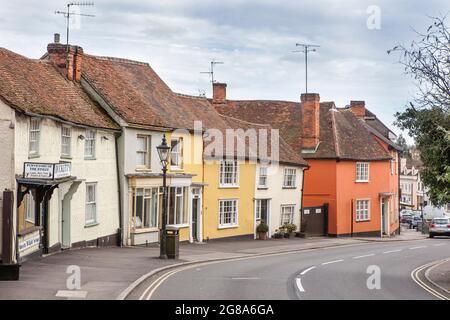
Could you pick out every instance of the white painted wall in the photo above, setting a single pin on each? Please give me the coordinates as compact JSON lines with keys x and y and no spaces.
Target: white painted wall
{"x":280,"y":196}
{"x":6,"y":155}
{"x":127,"y":147}
{"x":101,"y":170}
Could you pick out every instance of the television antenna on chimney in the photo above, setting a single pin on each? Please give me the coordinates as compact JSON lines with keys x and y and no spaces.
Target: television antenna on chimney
{"x":67,"y":14}
{"x":211,"y":72}
{"x":305,"y":49}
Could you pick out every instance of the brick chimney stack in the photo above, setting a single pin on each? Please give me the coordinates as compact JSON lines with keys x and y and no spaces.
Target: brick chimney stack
{"x":358,"y":108}
{"x":219,"y":92}
{"x":310,"y":126}
{"x":69,"y":63}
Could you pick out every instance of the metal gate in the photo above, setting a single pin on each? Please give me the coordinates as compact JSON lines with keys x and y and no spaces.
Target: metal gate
{"x":315,"y":220}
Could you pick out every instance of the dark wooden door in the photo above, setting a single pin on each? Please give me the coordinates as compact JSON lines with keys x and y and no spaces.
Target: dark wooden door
{"x":315,"y":220}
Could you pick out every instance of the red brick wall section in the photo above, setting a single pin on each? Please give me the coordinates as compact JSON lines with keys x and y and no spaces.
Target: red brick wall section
{"x":58,"y":54}
{"x":358,"y":108}
{"x":310,"y":105}
{"x":219,"y":92}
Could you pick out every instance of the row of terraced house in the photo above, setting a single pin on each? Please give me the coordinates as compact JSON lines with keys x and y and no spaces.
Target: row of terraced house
{"x":79,"y":165}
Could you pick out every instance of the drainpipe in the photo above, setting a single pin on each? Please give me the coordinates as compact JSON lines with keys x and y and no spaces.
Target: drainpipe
{"x":119,"y":189}
{"x":301,"y":198}
{"x":351,"y":232}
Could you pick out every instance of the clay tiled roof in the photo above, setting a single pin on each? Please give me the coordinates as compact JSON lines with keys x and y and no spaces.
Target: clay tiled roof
{"x":37,"y":87}
{"x":342,"y":134}
{"x":137,"y":93}
{"x":205,"y":111}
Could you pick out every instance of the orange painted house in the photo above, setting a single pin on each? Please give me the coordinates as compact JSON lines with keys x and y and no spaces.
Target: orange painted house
{"x":353,"y":161}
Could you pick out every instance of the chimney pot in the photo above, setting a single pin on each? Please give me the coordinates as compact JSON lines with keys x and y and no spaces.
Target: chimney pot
{"x":56,"y":38}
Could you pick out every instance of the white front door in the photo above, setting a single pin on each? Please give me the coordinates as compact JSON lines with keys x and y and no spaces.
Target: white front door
{"x":262,"y":213}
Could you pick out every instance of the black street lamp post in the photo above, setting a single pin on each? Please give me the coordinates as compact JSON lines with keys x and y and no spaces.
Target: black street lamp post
{"x":163,"y":152}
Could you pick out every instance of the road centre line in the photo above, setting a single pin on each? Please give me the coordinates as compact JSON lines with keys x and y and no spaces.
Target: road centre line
{"x":330,"y":262}
{"x":364,"y":256}
{"x":418,"y":247}
{"x":392,"y":251}
{"x":306,"y":270}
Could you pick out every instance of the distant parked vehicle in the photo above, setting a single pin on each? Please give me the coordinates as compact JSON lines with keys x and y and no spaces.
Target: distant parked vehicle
{"x":440,"y":227}
{"x":416,"y":220}
{"x":407,"y":219}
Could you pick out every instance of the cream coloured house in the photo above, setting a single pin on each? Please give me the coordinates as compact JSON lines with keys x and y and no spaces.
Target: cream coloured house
{"x":58,"y":163}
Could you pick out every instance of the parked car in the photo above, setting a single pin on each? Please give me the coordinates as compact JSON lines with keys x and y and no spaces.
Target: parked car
{"x":440,"y":227}
{"x":416,"y":219}
{"x":407,"y":219}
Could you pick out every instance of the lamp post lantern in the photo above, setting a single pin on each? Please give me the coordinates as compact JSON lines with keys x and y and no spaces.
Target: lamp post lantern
{"x":163,"y":152}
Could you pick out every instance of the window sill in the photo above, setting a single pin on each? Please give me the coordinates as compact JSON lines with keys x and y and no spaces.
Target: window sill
{"x":284,"y":187}
{"x":228,"y":227}
{"x":362,"y":181}
{"x":145,"y":230}
{"x":66,"y":157}
{"x":34,"y":156}
{"x":90,"y":225}
{"x":176,"y":169}
{"x":180,"y":226}
{"x":143,"y":170}
{"x":359,"y":221}
{"x":228,"y":186}
{"x":262,"y":188}
{"x":90,"y":158}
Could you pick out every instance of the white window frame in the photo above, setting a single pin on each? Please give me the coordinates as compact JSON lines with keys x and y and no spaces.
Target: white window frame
{"x":146,"y":152}
{"x":287,"y":174}
{"x":176,"y":155}
{"x":89,"y":150}
{"x":262,"y":176}
{"x":183,"y":212}
{"x":91,"y":203}
{"x":234,"y":174}
{"x":362,"y":210}
{"x":66,"y":141}
{"x":152,"y":194}
{"x":234,"y":216}
{"x":34,"y":136}
{"x":258,"y":209}
{"x":30,"y":207}
{"x":282,"y":213}
{"x":361,"y":171}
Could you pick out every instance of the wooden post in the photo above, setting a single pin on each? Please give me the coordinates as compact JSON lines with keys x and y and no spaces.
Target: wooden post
{"x":7,"y":227}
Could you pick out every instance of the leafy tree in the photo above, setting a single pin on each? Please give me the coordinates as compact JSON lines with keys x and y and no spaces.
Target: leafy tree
{"x":427,"y":117}
{"x":401,"y":142}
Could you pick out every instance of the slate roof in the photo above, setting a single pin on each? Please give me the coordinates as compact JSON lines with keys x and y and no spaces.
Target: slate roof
{"x":342,"y":134}
{"x":36,"y":87}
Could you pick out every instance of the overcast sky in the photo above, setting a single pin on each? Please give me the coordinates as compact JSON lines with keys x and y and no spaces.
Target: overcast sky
{"x":254,"y":39}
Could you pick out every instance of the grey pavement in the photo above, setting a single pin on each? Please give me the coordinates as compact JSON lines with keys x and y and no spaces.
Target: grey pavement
{"x":439,"y":275}
{"x":106,"y":272}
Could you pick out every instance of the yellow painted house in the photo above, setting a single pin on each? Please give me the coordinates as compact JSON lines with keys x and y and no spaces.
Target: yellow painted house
{"x":207,"y":199}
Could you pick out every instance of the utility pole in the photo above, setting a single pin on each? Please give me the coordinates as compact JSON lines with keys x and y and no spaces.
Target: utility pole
{"x":211,"y":72}
{"x":305,"y":49}
{"x":67,"y":14}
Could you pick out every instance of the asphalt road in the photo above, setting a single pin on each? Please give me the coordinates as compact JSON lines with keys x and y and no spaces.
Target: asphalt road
{"x":333,"y":273}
